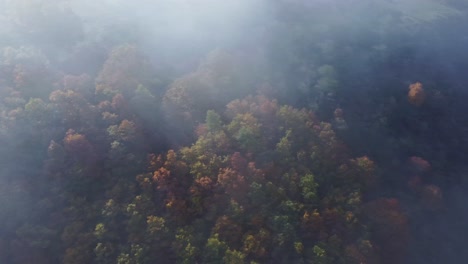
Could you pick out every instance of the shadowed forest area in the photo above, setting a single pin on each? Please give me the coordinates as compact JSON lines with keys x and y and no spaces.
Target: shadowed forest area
{"x":203,"y":131}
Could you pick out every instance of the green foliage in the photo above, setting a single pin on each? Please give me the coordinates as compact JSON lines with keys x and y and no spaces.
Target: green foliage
{"x":299,"y":247}
{"x":257,"y":194}
{"x":213,"y":121}
{"x":111,"y":209}
{"x":320,"y":255}
{"x":257,"y":182}
{"x":37,"y":110}
{"x":283,"y":226}
{"x":309,"y":188}
{"x":246,"y":130}
{"x":100,"y":231}
{"x":156,"y":225}
{"x":284,"y":146}
{"x":247,"y":138}
{"x":186,"y":251}
{"x":214,"y":251}
{"x":143,"y":92}
{"x":136,"y":255}
{"x":234,"y":257}
{"x":124,"y":259}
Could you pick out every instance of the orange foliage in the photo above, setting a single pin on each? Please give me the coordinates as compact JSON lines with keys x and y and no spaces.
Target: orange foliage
{"x":155,"y":162}
{"x":127,"y":130}
{"x":312,"y":224}
{"x":233,"y":183}
{"x":416,"y":94}
{"x":162,"y":178}
{"x":259,"y":106}
{"x":205,"y":182}
{"x":171,"y":158}
{"x":78,"y":146}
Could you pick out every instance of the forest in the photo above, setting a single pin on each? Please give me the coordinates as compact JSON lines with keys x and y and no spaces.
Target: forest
{"x":236,"y":131}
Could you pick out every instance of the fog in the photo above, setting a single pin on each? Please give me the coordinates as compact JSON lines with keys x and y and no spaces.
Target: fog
{"x":90,"y":89}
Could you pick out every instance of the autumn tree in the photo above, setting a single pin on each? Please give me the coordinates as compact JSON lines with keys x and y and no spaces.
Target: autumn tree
{"x":124,"y":70}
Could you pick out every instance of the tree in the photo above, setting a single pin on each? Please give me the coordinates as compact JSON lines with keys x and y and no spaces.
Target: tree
{"x":124,"y":70}
{"x":416,"y":94}
{"x":214,"y":250}
{"x":213,"y":121}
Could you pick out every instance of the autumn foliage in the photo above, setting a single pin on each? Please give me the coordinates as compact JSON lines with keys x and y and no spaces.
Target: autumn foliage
{"x":416,"y":94}
{"x":261,"y":205}
{"x":279,"y":147}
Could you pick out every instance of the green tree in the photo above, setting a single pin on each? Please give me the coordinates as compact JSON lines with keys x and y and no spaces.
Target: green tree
{"x":214,"y":250}
{"x":213,"y":121}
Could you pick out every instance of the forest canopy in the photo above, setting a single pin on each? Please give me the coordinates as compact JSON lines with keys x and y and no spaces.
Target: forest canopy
{"x":288,"y":131}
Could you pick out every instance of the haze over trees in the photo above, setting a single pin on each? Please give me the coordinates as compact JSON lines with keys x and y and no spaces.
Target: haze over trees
{"x":286,"y":131}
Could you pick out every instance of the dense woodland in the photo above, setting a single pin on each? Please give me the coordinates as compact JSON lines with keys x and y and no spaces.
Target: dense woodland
{"x":285,"y":131}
